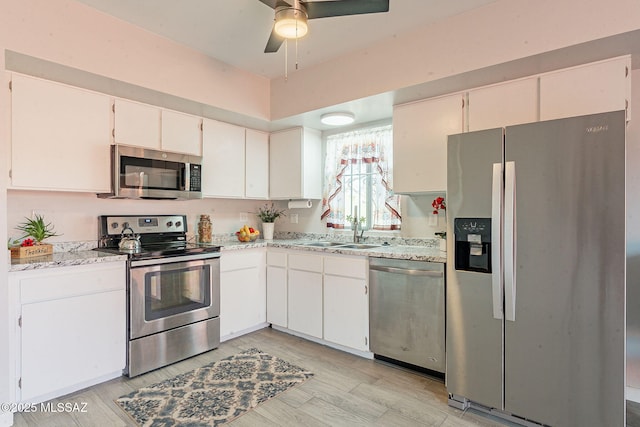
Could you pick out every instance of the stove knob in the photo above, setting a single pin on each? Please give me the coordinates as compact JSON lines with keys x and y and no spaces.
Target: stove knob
{"x":178,"y":223}
{"x":114,"y":225}
{"x":125,"y":225}
{"x":169,"y":224}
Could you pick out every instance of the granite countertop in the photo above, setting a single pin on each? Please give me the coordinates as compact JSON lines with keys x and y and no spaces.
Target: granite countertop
{"x":63,"y":259}
{"x":87,"y":256}
{"x":411,"y":252}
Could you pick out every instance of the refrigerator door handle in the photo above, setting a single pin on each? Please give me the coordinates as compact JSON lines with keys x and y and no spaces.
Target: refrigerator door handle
{"x":496,"y":227}
{"x":510,"y":241}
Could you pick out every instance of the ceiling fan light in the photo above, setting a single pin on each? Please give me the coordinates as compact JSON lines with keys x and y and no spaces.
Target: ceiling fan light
{"x":291,"y":23}
{"x":337,"y":119}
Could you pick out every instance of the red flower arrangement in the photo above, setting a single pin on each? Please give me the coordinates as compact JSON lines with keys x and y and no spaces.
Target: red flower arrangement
{"x":438,"y":204}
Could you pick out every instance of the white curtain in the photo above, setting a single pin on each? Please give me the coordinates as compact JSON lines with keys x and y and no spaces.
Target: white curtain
{"x":368,"y":146}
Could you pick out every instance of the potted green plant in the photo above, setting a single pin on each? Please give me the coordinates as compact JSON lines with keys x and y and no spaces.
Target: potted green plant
{"x":34,"y":230}
{"x":268,"y":215}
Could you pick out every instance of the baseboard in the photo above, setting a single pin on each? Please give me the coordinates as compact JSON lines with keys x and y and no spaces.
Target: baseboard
{"x":244,"y":332}
{"x":73,"y":388}
{"x":633,"y":394}
{"x":6,"y":419}
{"x":365,"y":354}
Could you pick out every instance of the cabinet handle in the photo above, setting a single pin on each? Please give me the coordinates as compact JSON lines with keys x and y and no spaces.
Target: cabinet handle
{"x":407,"y":271}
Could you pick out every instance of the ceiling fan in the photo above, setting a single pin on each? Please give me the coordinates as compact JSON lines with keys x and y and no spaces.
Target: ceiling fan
{"x":291,"y":15}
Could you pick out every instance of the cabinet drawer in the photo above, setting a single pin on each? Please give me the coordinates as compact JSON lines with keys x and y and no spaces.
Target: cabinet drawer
{"x":276,"y":259}
{"x":71,"y":281}
{"x":241,"y":259}
{"x":305,"y":262}
{"x":346,"y":266}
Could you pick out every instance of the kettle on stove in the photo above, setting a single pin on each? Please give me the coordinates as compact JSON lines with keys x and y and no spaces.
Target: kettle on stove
{"x":129,"y":243}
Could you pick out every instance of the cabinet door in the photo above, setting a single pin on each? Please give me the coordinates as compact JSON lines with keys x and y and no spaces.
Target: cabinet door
{"x":256,"y":164}
{"x":420,"y":133}
{"x":295,"y":164}
{"x":346,"y":311}
{"x":137,"y":124}
{"x":60,"y":137}
{"x":181,"y":133}
{"x":223,"y":159}
{"x":305,"y":302}
{"x":589,"y":89}
{"x":277,"y":295}
{"x":242,"y":291}
{"x":285,"y":164}
{"x":67,"y":341}
{"x":504,"y":104}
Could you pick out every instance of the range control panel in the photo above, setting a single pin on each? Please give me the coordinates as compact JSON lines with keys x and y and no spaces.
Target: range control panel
{"x":144,"y":224}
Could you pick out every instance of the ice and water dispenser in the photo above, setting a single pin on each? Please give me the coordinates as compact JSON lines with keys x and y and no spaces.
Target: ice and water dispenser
{"x":472,"y":247}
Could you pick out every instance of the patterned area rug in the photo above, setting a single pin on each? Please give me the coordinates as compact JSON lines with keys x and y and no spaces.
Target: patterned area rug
{"x":214,"y":394}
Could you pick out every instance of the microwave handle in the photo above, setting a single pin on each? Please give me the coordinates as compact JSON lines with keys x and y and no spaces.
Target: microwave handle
{"x":185,"y":176}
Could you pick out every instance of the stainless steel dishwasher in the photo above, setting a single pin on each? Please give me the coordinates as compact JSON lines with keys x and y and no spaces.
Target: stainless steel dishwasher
{"x":407,"y":312}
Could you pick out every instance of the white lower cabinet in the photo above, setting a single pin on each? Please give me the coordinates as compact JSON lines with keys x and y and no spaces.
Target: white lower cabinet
{"x":70,"y":329}
{"x":305,"y":302}
{"x":320,"y":296}
{"x":242,"y":291}
{"x":346,"y":302}
{"x":277,"y":288}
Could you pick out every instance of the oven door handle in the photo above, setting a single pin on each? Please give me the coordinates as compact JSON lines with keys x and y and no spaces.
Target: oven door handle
{"x":170,"y":260}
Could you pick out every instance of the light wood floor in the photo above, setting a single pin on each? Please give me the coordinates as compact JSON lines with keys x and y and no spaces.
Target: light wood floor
{"x":346,"y":390}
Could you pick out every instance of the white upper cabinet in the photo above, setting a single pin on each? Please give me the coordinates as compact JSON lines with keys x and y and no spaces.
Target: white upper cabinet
{"x":502,"y":105}
{"x":152,"y":127}
{"x":256,"y":184}
{"x":236,"y":161}
{"x":223,"y":159}
{"x":295,"y":164}
{"x":181,"y":133}
{"x":137,"y":124}
{"x":587,"y":89}
{"x":60,"y":137}
{"x":420,"y":131}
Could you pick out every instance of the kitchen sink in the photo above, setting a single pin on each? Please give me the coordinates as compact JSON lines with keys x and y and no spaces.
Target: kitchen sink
{"x":358,"y":246}
{"x":322,"y":244}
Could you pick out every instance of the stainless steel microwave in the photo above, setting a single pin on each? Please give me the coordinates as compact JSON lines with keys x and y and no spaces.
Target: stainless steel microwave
{"x":142,"y":173}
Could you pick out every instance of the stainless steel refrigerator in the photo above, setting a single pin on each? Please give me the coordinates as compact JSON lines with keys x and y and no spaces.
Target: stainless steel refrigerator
{"x":536,"y":271}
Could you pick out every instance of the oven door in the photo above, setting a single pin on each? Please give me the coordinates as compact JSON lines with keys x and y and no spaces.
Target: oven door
{"x":167,"y":293}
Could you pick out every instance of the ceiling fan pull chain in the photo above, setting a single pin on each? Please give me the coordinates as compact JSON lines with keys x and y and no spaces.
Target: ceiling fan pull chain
{"x":286,"y":56}
{"x":296,"y":54}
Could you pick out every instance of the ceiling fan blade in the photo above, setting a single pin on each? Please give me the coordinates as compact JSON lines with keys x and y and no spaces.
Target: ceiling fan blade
{"x":274,"y":3}
{"x":325,"y":9}
{"x":274,"y":43}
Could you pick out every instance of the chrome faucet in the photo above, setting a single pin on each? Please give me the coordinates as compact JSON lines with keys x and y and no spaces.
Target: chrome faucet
{"x":356,"y":221}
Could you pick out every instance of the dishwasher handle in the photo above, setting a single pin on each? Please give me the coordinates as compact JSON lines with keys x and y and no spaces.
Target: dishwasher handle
{"x":407,"y":271}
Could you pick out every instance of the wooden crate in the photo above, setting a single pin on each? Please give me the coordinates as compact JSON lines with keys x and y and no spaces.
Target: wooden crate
{"x":29,"y":251}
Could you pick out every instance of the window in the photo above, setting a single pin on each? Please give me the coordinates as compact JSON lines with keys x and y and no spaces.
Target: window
{"x":358,"y":176}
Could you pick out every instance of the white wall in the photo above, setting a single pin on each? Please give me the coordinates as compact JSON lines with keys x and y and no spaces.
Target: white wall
{"x":72,"y":34}
{"x":503,"y":31}
{"x":4,"y":320}
{"x":74,"y":215}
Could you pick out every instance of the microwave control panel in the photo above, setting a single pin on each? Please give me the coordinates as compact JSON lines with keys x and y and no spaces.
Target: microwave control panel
{"x":195,"y":177}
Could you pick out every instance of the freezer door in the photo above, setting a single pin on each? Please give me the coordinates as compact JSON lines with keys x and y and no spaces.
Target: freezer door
{"x":564,"y":351}
{"x":474,"y":335}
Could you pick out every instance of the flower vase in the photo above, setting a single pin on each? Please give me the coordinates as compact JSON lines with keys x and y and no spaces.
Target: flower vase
{"x":443,"y":245}
{"x":267,"y":230}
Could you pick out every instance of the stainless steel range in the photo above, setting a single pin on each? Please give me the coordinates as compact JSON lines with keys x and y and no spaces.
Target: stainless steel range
{"x":173,"y":289}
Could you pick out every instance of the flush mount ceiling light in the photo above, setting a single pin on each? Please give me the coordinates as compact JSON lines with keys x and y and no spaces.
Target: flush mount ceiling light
{"x":291,"y":22}
{"x":337,"y":119}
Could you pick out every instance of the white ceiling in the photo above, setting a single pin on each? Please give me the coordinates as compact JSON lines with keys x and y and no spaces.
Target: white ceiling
{"x":236,"y":31}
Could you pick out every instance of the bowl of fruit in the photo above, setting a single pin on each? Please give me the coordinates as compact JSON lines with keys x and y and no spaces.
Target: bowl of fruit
{"x":247,"y":234}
